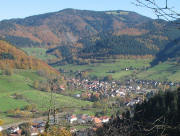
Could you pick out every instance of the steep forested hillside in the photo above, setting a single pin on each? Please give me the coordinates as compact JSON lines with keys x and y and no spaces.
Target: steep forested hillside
{"x":11,"y":57}
{"x":109,"y":45}
{"x":170,"y":52}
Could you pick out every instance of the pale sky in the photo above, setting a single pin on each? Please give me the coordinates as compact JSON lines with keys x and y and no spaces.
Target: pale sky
{"x":24,"y":8}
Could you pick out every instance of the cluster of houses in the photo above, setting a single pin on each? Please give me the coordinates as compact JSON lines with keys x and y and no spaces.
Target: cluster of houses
{"x":105,"y":89}
{"x":155,"y":84}
{"x":95,"y":85}
{"x":36,"y":128}
{"x":85,"y":119}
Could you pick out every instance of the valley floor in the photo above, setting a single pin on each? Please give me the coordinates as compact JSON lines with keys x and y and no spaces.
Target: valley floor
{"x":119,"y":69}
{"x":127,"y":68}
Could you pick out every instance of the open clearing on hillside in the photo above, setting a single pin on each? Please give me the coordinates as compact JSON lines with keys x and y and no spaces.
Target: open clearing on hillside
{"x":39,"y":53}
{"x":103,"y":69}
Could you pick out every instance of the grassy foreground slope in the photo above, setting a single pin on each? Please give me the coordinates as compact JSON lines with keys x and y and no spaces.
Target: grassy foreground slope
{"x":166,"y":71}
{"x":21,"y":83}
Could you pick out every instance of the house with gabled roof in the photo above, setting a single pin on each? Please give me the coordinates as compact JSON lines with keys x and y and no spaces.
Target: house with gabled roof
{"x":72,"y":119}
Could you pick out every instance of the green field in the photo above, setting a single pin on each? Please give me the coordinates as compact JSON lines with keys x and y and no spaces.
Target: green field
{"x":39,"y":53}
{"x":21,"y":83}
{"x":167,"y":71}
{"x":103,"y":69}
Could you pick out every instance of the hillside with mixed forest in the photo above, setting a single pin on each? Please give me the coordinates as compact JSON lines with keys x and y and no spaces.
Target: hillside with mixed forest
{"x":171,"y":52}
{"x":14,"y":58}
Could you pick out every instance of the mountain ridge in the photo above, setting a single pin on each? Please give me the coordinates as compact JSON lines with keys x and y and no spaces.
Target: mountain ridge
{"x":69,"y":25}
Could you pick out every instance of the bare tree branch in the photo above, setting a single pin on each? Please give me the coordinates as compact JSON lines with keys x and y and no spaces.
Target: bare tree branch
{"x":166,"y":12}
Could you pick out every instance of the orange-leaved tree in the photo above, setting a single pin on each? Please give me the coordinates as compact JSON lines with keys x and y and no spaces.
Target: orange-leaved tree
{"x":1,"y":122}
{"x":55,"y":131}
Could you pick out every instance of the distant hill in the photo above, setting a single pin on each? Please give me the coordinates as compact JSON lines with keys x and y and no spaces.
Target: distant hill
{"x":11,"y":57}
{"x":67,"y":26}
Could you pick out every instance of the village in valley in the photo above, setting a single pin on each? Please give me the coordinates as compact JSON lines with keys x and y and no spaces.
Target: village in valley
{"x":108,"y":96}
{"x":116,"y":93}
{"x":112,"y":93}
{"x":135,"y":91}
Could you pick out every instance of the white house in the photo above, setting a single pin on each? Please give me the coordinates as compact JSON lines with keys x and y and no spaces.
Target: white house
{"x":121,"y":93}
{"x":14,"y":129}
{"x":1,"y":128}
{"x":34,"y":132}
{"x":72,"y":119}
{"x":105,"y":119}
{"x":77,"y":95}
{"x":81,"y":121}
{"x":138,"y":87}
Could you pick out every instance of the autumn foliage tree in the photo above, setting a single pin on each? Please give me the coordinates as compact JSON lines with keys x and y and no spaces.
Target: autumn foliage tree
{"x":55,"y":131}
{"x":36,"y":84}
{"x":7,"y":71}
{"x":1,"y":122}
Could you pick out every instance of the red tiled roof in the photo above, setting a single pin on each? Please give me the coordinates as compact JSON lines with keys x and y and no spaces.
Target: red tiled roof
{"x":97,"y":120}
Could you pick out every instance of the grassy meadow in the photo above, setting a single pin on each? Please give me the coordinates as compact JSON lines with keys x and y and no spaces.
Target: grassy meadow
{"x":104,"y":69}
{"x":39,"y":53}
{"x":166,"y":71}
